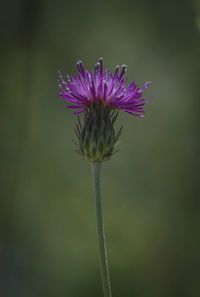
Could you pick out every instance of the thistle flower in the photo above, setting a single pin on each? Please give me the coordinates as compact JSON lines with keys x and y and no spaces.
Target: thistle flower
{"x":102,"y":87}
{"x":100,"y":95}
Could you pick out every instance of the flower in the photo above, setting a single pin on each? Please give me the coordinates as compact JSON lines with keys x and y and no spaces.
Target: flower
{"x":100,"y":95}
{"x":102,"y":87}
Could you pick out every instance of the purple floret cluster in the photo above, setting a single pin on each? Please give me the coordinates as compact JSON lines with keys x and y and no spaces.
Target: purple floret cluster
{"x":102,"y":87}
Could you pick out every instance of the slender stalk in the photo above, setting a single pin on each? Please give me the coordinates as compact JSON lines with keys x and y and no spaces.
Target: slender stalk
{"x":96,"y":168}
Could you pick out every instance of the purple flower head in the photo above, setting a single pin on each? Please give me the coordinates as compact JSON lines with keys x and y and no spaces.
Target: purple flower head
{"x":102,"y":87}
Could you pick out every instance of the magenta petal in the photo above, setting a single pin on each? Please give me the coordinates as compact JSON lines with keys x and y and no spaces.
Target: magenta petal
{"x":102,"y":87}
{"x":73,"y":106}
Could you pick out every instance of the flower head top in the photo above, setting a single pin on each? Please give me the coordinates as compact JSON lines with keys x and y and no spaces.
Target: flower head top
{"x":102,"y":87}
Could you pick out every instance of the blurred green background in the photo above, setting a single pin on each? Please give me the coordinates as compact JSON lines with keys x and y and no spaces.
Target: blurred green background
{"x":48,"y":244}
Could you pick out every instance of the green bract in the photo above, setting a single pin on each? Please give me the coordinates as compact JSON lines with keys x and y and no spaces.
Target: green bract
{"x":97,"y":137}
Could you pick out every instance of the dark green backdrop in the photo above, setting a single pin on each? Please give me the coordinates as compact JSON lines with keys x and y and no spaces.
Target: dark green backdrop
{"x":48,"y":245}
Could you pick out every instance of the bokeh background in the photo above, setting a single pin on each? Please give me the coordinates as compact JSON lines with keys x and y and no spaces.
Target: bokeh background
{"x":48,"y":244}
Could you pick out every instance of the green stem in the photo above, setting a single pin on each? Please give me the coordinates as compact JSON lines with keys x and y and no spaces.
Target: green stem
{"x":96,"y":168}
